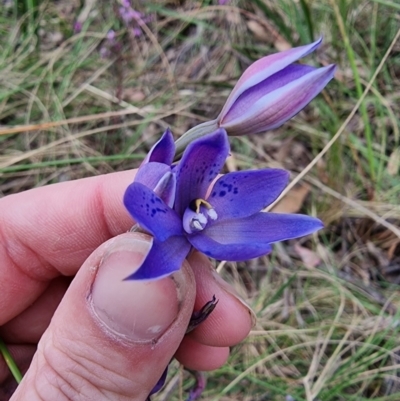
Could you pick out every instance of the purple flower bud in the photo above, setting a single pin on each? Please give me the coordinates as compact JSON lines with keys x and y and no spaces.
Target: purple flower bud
{"x":272,"y":90}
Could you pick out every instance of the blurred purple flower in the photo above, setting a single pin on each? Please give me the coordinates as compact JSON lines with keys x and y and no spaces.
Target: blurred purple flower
{"x":171,"y":203}
{"x":132,"y":19}
{"x":110,"y":47}
{"x":77,"y":27}
{"x":272,"y":90}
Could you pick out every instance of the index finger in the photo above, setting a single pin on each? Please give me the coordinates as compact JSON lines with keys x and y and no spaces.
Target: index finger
{"x":50,"y":231}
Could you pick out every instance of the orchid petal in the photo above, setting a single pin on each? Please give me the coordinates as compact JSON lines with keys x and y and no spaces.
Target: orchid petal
{"x":163,"y":151}
{"x":264,"y":68}
{"x":151,"y":212}
{"x":244,"y":193}
{"x":163,"y":259}
{"x":274,"y":109}
{"x":237,"y":251}
{"x":200,"y":164}
{"x":150,"y":174}
{"x":166,"y":188}
{"x":251,"y":235}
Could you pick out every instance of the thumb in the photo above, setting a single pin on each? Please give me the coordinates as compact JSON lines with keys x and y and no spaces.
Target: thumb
{"x":110,"y":338}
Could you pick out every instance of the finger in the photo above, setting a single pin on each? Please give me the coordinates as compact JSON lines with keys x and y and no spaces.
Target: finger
{"x":196,"y":356}
{"x":231,"y":320}
{"x":110,"y":338}
{"x":29,"y":326}
{"x":51,"y":230}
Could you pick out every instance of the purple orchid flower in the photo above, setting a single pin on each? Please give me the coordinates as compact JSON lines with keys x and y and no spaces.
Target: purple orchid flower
{"x":270,"y":92}
{"x":174,"y":204}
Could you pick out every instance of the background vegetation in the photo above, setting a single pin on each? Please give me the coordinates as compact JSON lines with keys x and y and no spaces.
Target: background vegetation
{"x":76,"y":101}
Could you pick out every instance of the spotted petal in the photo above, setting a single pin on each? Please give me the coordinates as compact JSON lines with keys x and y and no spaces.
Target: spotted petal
{"x":163,"y":259}
{"x":244,"y":193}
{"x":151,"y":212}
{"x":200,"y":164}
{"x":246,"y":238}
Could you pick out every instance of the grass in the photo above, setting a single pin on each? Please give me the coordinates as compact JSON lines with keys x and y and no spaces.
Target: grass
{"x":326,"y":331}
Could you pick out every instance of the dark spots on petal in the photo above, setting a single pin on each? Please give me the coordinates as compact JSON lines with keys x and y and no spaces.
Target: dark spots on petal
{"x":235,"y":190}
{"x":213,"y":194}
{"x":222,"y":193}
{"x":156,"y":210}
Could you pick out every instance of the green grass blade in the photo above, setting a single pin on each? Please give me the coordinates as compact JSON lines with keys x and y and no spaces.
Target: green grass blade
{"x":10,"y":362}
{"x":307,"y":16}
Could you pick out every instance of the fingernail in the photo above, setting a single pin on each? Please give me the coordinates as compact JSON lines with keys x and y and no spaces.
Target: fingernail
{"x":231,"y":291}
{"x":140,"y":311}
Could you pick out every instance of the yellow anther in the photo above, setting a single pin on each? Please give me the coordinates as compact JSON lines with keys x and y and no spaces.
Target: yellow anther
{"x":199,"y":202}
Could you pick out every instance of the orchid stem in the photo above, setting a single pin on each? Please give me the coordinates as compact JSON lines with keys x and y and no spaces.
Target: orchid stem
{"x":194,"y":133}
{"x":10,"y":362}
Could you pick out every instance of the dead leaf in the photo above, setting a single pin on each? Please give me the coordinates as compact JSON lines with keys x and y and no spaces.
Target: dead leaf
{"x":293,"y":201}
{"x":394,"y":162}
{"x":258,"y":30}
{"x":133,"y":95}
{"x":231,"y":163}
{"x":309,"y":257}
{"x":282,"y":44}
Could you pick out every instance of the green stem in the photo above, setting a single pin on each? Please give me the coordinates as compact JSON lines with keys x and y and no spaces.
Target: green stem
{"x":194,"y":133}
{"x":10,"y":362}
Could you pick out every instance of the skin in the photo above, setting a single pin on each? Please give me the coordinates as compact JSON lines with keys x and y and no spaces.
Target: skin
{"x":46,"y":235}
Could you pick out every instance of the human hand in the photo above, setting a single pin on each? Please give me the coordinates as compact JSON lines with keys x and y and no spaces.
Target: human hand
{"x":73,"y":325}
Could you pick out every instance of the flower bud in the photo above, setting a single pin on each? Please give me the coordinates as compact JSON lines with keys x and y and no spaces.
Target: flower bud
{"x":270,"y":92}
